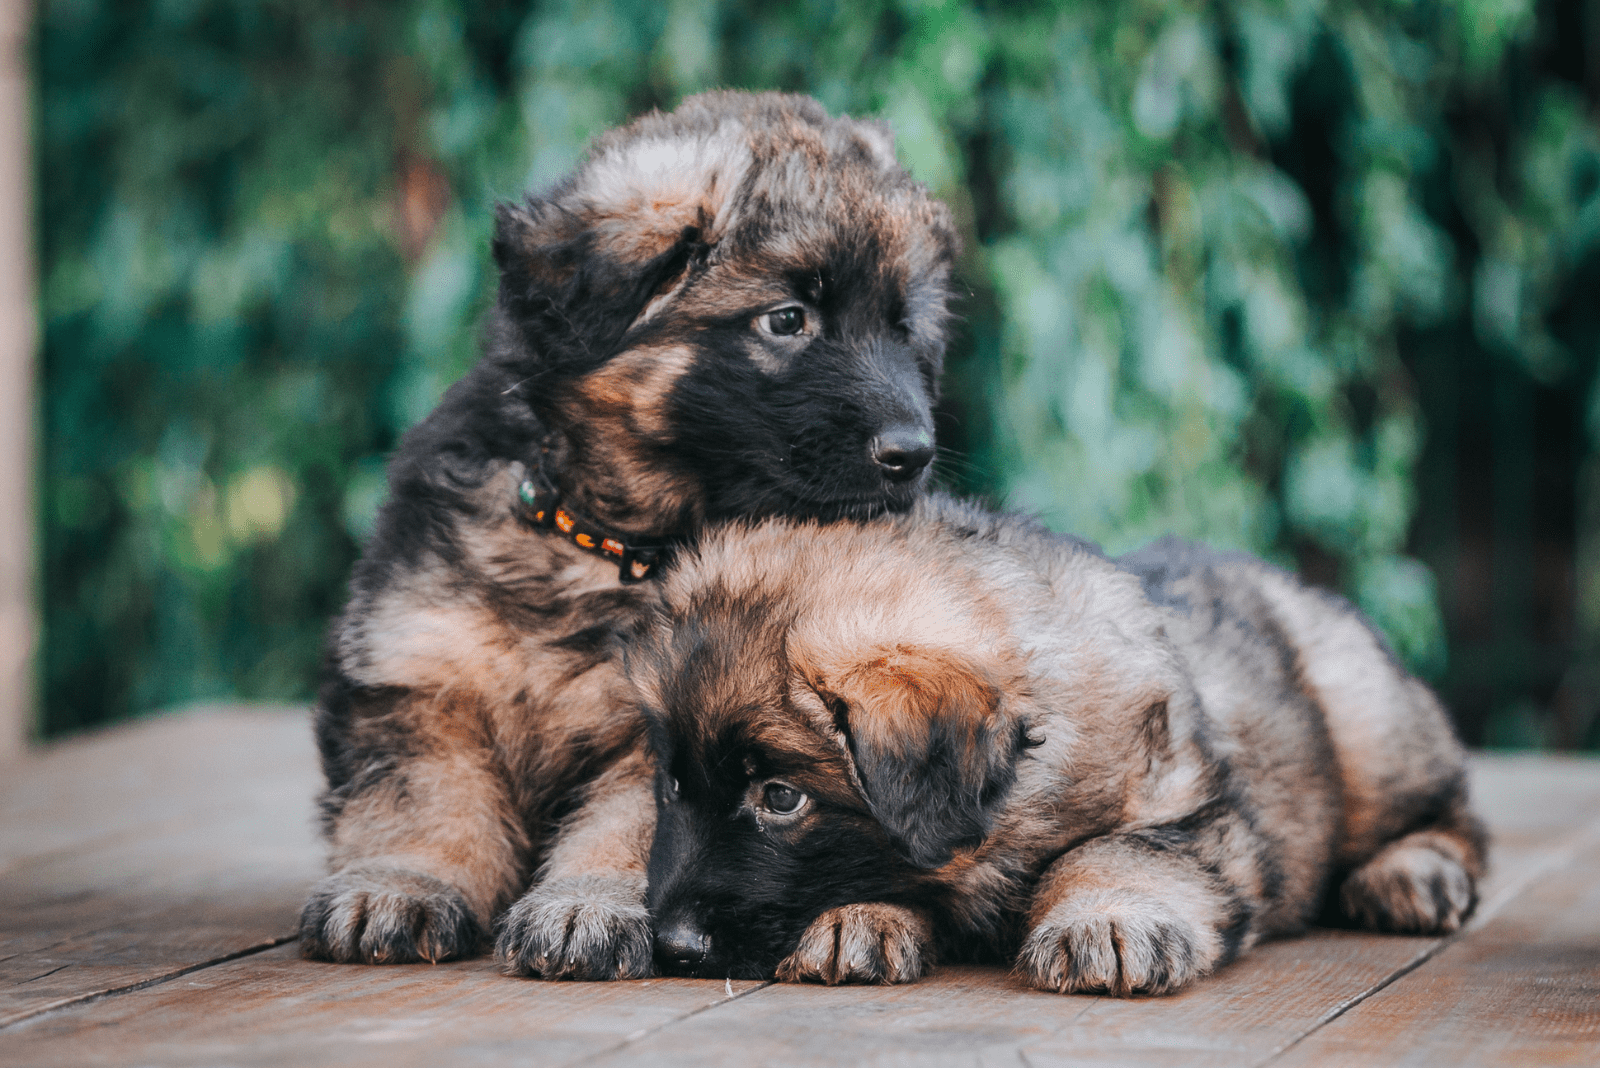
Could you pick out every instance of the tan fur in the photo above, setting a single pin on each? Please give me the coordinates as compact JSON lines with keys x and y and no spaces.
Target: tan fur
{"x":613,"y":823}
{"x":1109,"y":918}
{"x":862,"y":944}
{"x":486,"y":768}
{"x":1210,"y":744}
{"x":902,"y":690}
{"x":1349,"y":674}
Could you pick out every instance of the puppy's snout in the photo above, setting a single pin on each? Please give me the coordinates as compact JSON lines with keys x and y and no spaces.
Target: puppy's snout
{"x":901,"y":452}
{"x":680,"y":946}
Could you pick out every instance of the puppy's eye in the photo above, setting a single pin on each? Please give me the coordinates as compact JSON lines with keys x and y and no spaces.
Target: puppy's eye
{"x":782,"y":799}
{"x":672,"y":789}
{"x":784,"y":322}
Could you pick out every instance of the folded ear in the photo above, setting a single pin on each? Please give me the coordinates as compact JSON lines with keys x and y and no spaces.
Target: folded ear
{"x":572,"y":291}
{"x":583,"y":262}
{"x":935,"y":750}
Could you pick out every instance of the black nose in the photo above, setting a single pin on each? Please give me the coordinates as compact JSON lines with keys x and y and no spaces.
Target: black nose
{"x":902,"y":452}
{"x":680,"y":947}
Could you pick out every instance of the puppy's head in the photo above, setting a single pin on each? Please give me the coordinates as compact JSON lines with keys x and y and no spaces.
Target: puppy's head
{"x":814,"y":749}
{"x":734,"y":309}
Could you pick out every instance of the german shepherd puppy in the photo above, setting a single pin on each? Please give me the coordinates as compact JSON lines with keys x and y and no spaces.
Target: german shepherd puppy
{"x":733,"y":310}
{"x":956,"y":729}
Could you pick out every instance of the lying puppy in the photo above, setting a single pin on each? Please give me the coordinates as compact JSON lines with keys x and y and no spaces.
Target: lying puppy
{"x":956,"y":729}
{"x":736,"y":309}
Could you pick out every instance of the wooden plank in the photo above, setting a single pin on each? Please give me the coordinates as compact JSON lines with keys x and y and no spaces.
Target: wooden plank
{"x":1522,"y":989}
{"x":275,"y":1009}
{"x":1279,"y":993}
{"x":135,"y":861}
{"x":464,"y":1012}
{"x":18,"y":334}
{"x":140,"y":853}
{"x":1529,"y":795}
{"x":981,"y":1016}
{"x":210,"y":850}
{"x":131,"y":781}
{"x":107,"y":942}
{"x":1542,"y":810}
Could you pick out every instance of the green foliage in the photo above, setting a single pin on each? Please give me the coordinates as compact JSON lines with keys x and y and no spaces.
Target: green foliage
{"x":1197,"y":237}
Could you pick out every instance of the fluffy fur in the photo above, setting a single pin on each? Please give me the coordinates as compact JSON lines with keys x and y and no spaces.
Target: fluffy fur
{"x":955,"y":732}
{"x":733,"y":310}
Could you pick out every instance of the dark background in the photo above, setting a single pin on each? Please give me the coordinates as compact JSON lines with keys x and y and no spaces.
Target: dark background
{"x":1320,"y":280}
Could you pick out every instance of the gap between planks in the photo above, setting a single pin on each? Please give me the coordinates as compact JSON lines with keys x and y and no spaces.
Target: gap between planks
{"x":1556,"y":857}
{"x":1554,"y":861}
{"x":645,"y":1032}
{"x":79,"y":1000}
{"x":82,"y":1000}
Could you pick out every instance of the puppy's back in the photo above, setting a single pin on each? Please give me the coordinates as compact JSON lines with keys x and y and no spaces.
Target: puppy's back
{"x":1397,"y":760}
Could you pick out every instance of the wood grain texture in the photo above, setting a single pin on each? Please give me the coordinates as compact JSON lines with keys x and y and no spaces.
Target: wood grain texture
{"x":1522,"y":989}
{"x":964,"y":1015}
{"x":139,"y":861}
{"x":1537,"y":806}
{"x":141,"y":852}
{"x":275,"y":1009}
{"x":131,"y":781}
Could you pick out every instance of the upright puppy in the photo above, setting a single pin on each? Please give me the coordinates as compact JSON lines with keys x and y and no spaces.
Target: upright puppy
{"x":735,"y":310}
{"x":955,"y":729}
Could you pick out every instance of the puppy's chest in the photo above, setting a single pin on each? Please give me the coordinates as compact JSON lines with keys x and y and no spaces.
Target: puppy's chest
{"x":520,"y":615}
{"x":568,"y":628}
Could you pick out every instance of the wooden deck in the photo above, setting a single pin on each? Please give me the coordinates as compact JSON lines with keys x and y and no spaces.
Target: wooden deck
{"x":150,"y":879}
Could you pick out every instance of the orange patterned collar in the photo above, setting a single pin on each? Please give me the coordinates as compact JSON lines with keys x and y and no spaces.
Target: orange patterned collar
{"x":542,"y":505}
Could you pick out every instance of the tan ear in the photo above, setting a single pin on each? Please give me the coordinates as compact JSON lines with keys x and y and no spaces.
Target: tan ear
{"x":933,"y":743}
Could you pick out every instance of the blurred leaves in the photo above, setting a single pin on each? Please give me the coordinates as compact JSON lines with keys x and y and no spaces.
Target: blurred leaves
{"x":1197,"y":235}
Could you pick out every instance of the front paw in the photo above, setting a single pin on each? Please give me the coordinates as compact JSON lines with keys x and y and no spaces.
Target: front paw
{"x":861,"y":944}
{"x":387,"y":916}
{"x":1116,"y":944}
{"x":592,"y":927}
{"x":1411,"y":889}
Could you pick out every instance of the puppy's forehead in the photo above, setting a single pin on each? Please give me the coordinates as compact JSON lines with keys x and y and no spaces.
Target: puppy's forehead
{"x":690,"y":179}
{"x":716,"y":670}
{"x":719,"y":656}
{"x":725,"y":747}
{"x":843,"y":590}
{"x":798,"y":218}
{"x":774,"y":181}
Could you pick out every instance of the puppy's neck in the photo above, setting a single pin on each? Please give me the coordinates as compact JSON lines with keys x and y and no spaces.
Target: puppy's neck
{"x":541,"y":505}
{"x":638,"y":500}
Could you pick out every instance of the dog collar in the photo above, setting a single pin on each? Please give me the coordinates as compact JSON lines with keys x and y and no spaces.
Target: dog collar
{"x":542,"y":504}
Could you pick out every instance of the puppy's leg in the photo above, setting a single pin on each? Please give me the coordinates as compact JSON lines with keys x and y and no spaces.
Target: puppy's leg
{"x":1126,"y":915}
{"x":1415,"y":847}
{"x":585,"y":917}
{"x":1424,"y":882}
{"x":872,"y":943}
{"x":424,"y":844}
